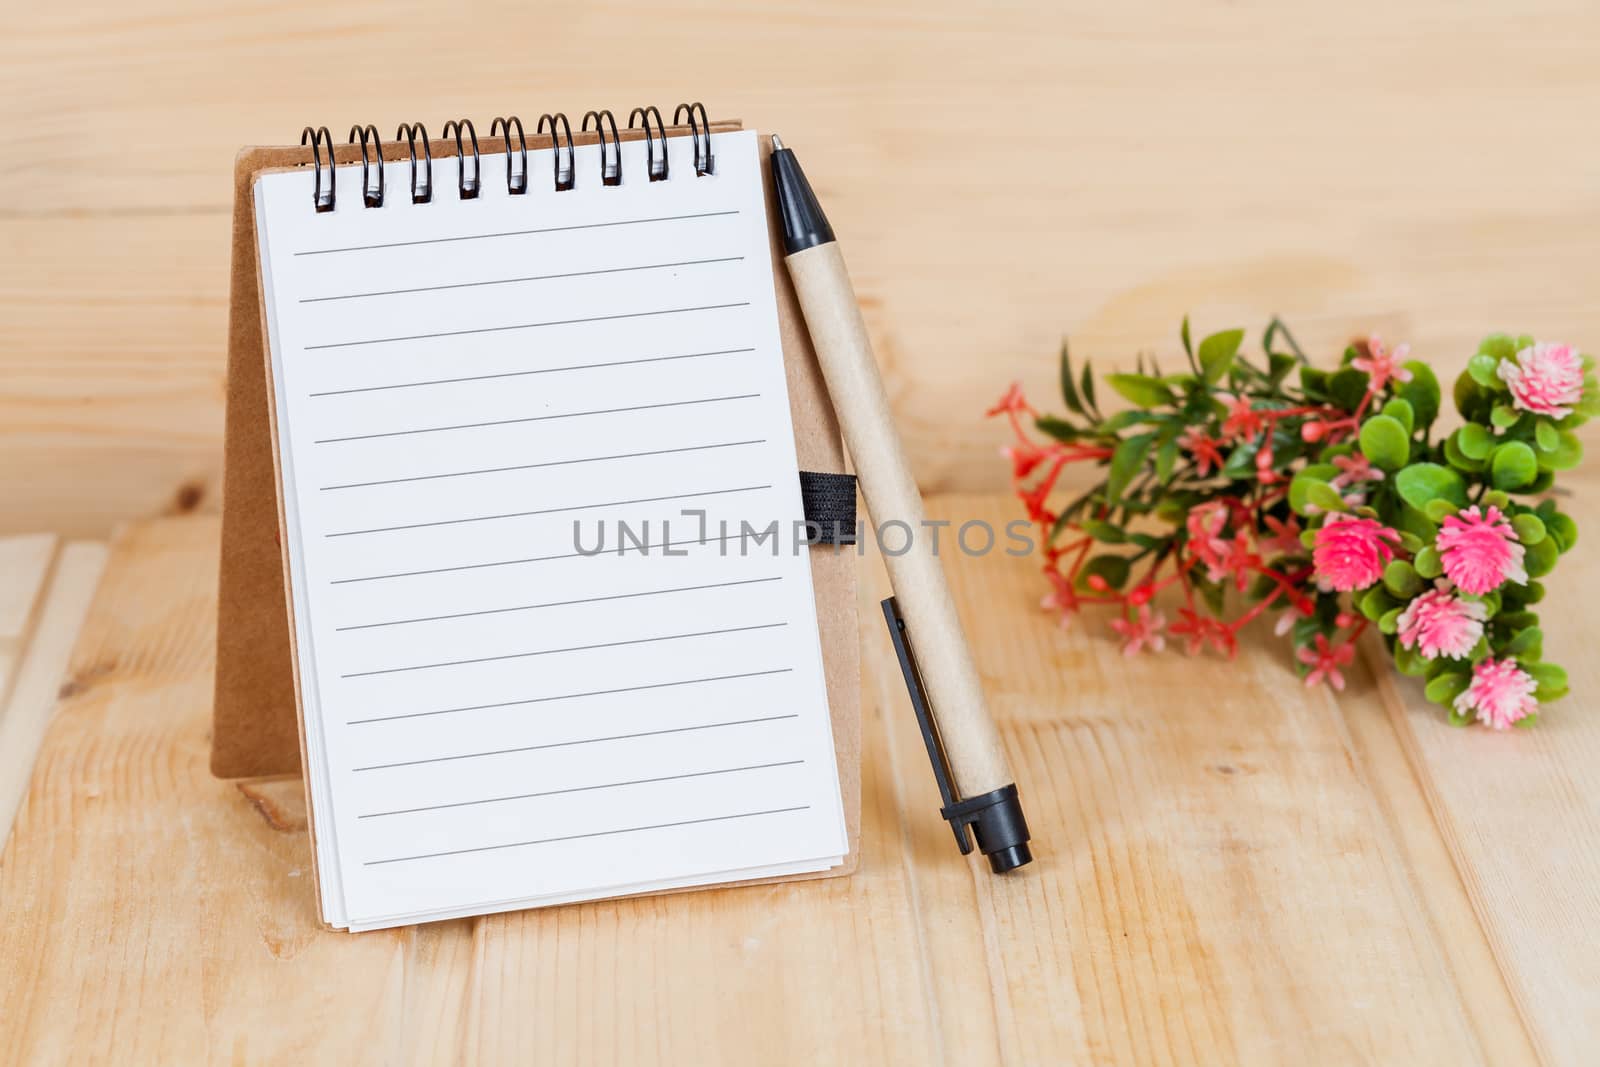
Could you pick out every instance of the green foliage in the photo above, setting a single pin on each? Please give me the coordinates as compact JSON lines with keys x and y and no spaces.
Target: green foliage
{"x":1289,"y":448}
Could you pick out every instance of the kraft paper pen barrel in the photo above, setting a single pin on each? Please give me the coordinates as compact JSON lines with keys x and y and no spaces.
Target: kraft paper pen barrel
{"x":974,"y":776}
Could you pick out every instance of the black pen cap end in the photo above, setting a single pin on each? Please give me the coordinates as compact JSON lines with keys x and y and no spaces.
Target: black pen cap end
{"x":804,"y":224}
{"x":1000,"y":828}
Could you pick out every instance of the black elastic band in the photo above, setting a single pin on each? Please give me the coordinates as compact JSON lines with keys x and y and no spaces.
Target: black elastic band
{"x":829,"y":501}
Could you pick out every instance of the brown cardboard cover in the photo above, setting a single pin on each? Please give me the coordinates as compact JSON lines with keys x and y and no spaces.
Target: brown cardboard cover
{"x":256,"y":721}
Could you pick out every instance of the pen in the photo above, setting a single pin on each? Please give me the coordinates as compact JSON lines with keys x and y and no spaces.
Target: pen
{"x":974,"y":778}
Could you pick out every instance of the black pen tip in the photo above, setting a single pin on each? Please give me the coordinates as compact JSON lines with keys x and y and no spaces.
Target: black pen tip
{"x":804,"y":224}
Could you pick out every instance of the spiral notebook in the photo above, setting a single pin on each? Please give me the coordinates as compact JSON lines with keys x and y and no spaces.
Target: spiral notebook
{"x":532,"y":433}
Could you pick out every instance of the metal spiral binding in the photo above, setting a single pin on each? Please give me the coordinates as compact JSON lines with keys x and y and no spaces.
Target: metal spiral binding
{"x":566,"y":175}
{"x":516,"y":181}
{"x":467,"y":188}
{"x":369,"y":196}
{"x":412,"y":131}
{"x":643,"y":114}
{"x":317,"y":138}
{"x":469,"y":180}
{"x":610,"y":164}
{"x":701,"y":132}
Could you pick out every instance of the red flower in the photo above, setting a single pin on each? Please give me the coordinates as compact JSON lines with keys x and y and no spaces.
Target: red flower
{"x":1198,"y":630}
{"x":1243,"y":420}
{"x":1013,"y":403}
{"x":1325,"y":661}
{"x":1202,"y":447}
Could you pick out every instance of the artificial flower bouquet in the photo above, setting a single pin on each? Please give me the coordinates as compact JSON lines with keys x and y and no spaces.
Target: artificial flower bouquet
{"x":1331,"y":498}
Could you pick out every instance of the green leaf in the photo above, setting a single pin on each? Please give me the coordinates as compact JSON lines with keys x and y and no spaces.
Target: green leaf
{"x":1474,"y":441}
{"x":1060,"y":429}
{"x":1166,"y":460}
{"x":1386,"y":442}
{"x":1513,"y":465}
{"x":1529,"y":527}
{"x":1460,"y":718}
{"x":1539,"y":558}
{"x":1427,"y":563}
{"x":1562,"y":530}
{"x":1375,"y":602}
{"x":1389,"y":622}
{"x":1422,"y":392}
{"x":1069,"y":391}
{"x":1527,"y":646}
{"x":1142,"y":390}
{"x":1114,"y":569}
{"x":1183,"y":334}
{"x":1401,"y":579}
{"x":1347,"y":387}
{"x":1504,"y":416}
{"x":1086,"y":388}
{"x":1401,"y":411}
{"x":1567,"y":454}
{"x":1438,"y":510}
{"x":1481,"y":367}
{"x":1103,"y":531}
{"x":1422,"y":482}
{"x":1552,"y":680}
{"x":1278,"y":367}
{"x":1446,"y":687}
{"x":1546,"y":436}
{"x":1217,"y":353}
{"x":1125,"y":463}
{"x":1408,"y":663}
{"x":1498,"y":346}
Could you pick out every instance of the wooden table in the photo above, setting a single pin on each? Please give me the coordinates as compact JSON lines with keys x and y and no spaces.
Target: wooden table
{"x":1231,"y":869}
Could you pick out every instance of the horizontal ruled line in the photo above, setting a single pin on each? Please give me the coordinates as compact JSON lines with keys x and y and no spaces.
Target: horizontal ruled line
{"x":557,"y":604}
{"x":523,"y":326}
{"x":537,"y":418}
{"x":583,"y":789}
{"x":570,"y":648}
{"x":568,"y":696}
{"x":515,"y":281}
{"x":578,"y":837}
{"x":550,"y":511}
{"x":550,"y":463}
{"x":645,"y":551}
{"x":580,"y":741}
{"x":515,"y":233}
{"x":524,"y":373}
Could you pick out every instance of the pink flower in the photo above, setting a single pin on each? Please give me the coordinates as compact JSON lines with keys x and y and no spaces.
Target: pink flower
{"x":1381,"y":364}
{"x":1202,"y":447}
{"x":1285,"y":536}
{"x":1205,"y":523}
{"x":1141,"y":631}
{"x":1062,"y":597}
{"x":1500,"y":692}
{"x":1242,"y":420}
{"x":1546,"y":379}
{"x":1351,"y":552}
{"x":1439,"y":623}
{"x":1325,"y":661}
{"x":1480,"y":550}
{"x":1353,"y":470}
{"x":1199,"y":630}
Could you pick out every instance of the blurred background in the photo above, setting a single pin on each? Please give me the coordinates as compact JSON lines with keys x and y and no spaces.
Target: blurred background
{"x":1001,"y":175}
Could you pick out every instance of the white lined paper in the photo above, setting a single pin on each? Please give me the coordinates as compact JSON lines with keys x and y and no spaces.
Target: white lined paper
{"x":495,"y":719}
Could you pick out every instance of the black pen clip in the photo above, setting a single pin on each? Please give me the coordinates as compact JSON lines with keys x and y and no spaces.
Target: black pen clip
{"x":959,"y":820}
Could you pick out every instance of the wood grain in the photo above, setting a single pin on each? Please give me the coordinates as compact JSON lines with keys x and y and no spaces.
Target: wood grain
{"x":1216,"y":882}
{"x":1520,"y":812}
{"x":1017,"y":173}
{"x":38,"y":635}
